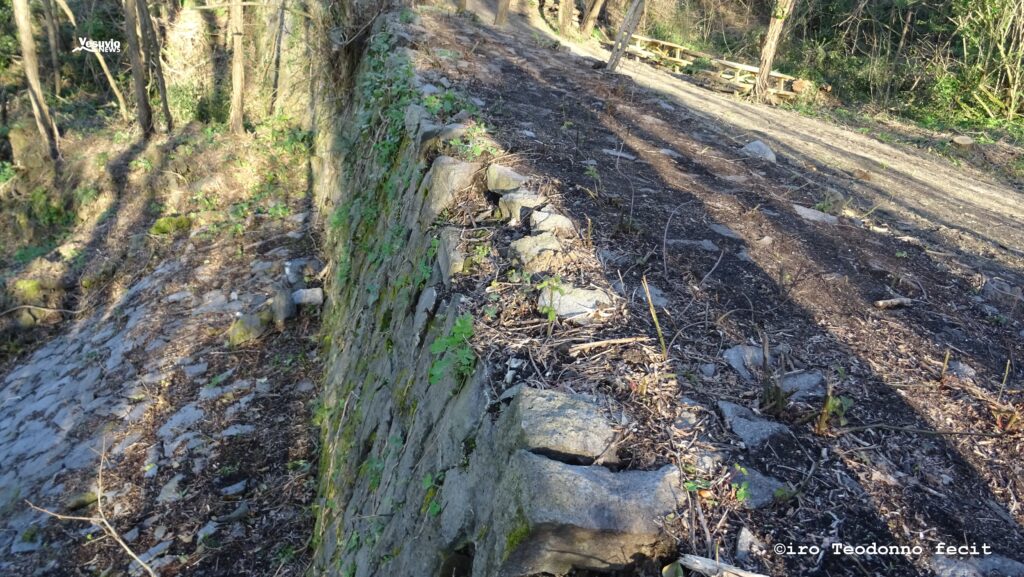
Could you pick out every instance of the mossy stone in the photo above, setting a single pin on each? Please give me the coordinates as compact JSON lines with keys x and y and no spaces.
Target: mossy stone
{"x":247,"y":328}
{"x":170,"y":225}
{"x":28,"y":291}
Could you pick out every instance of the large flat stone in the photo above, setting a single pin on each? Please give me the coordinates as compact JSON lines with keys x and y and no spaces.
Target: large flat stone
{"x":744,"y":359}
{"x":502,"y":179}
{"x":539,"y":253}
{"x":556,"y":224}
{"x":447,"y":176}
{"x":181,"y":421}
{"x":576,"y":305}
{"x":570,"y":516}
{"x":751,"y":429}
{"x":569,"y":427}
{"x":511,"y":205}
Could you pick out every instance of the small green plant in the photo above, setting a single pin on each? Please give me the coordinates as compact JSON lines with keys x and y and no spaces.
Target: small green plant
{"x":453,"y":351}
{"x":286,"y":554}
{"x":46,"y":210}
{"x":902,"y":254}
{"x":7,"y":172}
{"x":742,"y":491}
{"x":143,"y":164}
{"x":696,"y":485}
{"x":826,"y":205}
{"x":474,"y":143}
{"x":217,"y":380}
{"x":834,"y":407}
{"x":205,"y":200}
{"x":446,"y":104}
{"x":490,"y":312}
{"x":293,"y":140}
{"x":279,"y":210}
{"x":741,"y":488}
{"x":85,"y":195}
{"x":371,"y":469}
{"x":481,"y":254}
{"x":431,"y":484}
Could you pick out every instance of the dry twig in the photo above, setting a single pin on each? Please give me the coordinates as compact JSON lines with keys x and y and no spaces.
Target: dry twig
{"x":100,"y":520}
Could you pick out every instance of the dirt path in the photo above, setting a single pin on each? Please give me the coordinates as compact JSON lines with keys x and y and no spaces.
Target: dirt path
{"x":209,"y":449}
{"x":956,"y":208}
{"x":654,"y":175}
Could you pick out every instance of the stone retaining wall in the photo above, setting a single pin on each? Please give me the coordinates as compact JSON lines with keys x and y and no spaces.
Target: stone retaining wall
{"x":423,"y":471}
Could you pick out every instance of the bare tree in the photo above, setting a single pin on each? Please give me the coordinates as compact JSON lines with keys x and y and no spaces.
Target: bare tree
{"x":565,"y":13}
{"x":502,"y":16}
{"x":593,"y":11}
{"x":30,"y":62}
{"x":153,"y":50}
{"x":237,"y":15}
{"x":782,"y":9}
{"x":629,"y":23}
{"x":121,"y":104}
{"x":52,"y":37}
{"x":142,"y":109}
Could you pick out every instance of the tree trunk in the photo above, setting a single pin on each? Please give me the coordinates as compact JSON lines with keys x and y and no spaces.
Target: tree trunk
{"x":593,"y":11}
{"x":629,"y":23}
{"x":278,"y":39}
{"x":30,"y":62}
{"x":121,"y":104}
{"x":565,"y":13}
{"x":142,"y":109}
{"x":762,"y":86}
{"x":53,"y":39}
{"x":153,"y":49}
{"x":502,"y":17}
{"x":237,"y":68}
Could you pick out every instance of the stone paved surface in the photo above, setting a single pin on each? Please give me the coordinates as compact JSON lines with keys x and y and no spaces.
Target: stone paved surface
{"x":129,"y":379}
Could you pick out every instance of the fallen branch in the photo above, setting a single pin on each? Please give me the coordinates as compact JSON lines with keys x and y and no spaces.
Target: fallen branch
{"x":918,"y":431}
{"x":654,"y":316}
{"x":713,"y":568}
{"x":893,"y":303}
{"x":575,"y":350}
{"x":38,"y":308}
{"x":100,"y":520}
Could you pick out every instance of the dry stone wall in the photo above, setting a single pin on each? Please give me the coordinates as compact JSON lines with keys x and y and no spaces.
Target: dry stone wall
{"x":425,"y":470}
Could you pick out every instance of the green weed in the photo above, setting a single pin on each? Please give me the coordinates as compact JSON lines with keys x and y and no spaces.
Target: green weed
{"x":453,"y":351}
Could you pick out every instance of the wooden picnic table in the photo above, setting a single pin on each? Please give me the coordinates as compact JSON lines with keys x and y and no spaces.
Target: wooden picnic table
{"x":728,"y":75}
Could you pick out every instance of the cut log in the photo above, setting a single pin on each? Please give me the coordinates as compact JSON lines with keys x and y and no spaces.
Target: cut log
{"x":713,"y":568}
{"x":893,"y":303}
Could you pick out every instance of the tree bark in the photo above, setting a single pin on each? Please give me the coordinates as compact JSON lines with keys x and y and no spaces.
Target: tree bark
{"x":629,"y":24}
{"x":30,"y":62}
{"x":593,"y":11}
{"x":762,"y":86}
{"x":153,"y":49}
{"x":565,"y":14}
{"x":502,"y":17}
{"x":142,"y":110}
{"x":53,"y":39}
{"x":237,"y":15}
